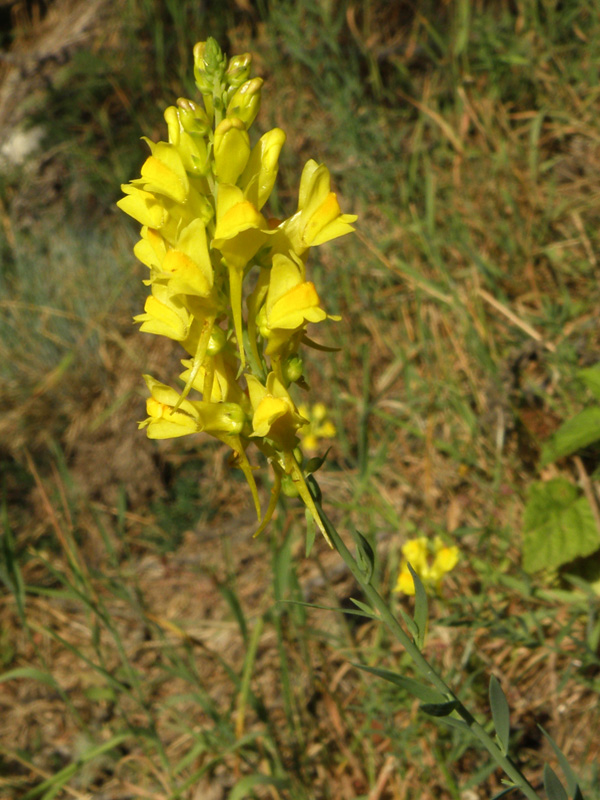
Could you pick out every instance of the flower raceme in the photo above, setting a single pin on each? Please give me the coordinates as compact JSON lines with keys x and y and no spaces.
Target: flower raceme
{"x":200,"y":202}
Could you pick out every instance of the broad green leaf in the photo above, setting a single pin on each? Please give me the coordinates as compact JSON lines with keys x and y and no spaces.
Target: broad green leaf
{"x":500,"y":714}
{"x":421,"y":609}
{"x":419,"y":690}
{"x":591,"y":377}
{"x":575,"y":434}
{"x":558,"y":526}
{"x":554,"y":788}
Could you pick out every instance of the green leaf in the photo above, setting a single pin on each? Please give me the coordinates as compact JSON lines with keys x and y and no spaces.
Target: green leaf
{"x":419,"y":690}
{"x":572,"y":784}
{"x":421,"y":609}
{"x":558,"y":526}
{"x":591,"y":377}
{"x":439,"y":709}
{"x":367,"y":610}
{"x":365,"y":556}
{"x":554,"y":788}
{"x":575,"y":434}
{"x":500,"y":714}
{"x":244,"y":787}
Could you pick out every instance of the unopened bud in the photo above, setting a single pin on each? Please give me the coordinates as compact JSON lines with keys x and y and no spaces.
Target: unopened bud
{"x":231,"y":149}
{"x":238,"y":70}
{"x":288,"y":487}
{"x":293,"y":368}
{"x":245,"y":103}
{"x":217,"y":341}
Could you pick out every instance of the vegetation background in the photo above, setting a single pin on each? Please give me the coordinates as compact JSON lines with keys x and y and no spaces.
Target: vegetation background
{"x":146,"y":645}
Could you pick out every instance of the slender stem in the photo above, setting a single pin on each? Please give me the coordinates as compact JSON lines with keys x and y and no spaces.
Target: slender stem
{"x":424,"y":667}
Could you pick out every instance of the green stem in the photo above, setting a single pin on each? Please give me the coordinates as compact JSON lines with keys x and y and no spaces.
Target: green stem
{"x":421,"y":663}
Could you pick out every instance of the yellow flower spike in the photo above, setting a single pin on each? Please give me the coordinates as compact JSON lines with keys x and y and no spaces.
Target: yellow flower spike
{"x":245,"y":102}
{"x":165,"y":315}
{"x":231,"y":150}
{"x":163,"y":172}
{"x":142,"y":206}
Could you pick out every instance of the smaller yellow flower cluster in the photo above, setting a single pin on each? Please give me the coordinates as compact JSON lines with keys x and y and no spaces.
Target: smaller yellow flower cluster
{"x":431,"y":561}
{"x":200,"y":201}
{"x":318,"y":427}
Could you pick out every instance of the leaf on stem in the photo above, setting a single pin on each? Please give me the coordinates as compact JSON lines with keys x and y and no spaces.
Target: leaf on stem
{"x":365,"y":556}
{"x":572,"y":784}
{"x":419,"y":690}
{"x":500,"y":714}
{"x":554,"y":788}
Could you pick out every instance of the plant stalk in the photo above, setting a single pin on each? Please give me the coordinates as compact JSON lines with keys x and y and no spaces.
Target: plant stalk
{"x":421,"y":663}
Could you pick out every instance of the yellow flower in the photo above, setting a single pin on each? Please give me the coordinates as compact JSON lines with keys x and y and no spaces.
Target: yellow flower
{"x":430,"y":562}
{"x":291,"y":302}
{"x":258,"y":178}
{"x":318,"y":427}
{"x":275,"y":415}
{"x":319,"y":217}
{"x":165,"y":315}
{"x":190,"y":416}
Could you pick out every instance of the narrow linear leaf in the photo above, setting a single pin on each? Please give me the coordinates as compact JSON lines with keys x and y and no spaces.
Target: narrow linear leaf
{"x":370,"y":614}
{"x":459,"y":724}
{"x":418,"y":690}
{"x":554,"y":788}
{"x":365,"y":556}
{"x":439,"y":709}
{"x":504,"y":792}
{"x":500,"y":714}
{"x":367,"y":610}
{"x":568,"y":772}
{"x":421,"y":608}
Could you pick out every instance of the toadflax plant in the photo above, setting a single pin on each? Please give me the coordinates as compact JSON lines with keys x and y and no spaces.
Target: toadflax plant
{"x":204,"y":238}
{"x":208,"y":244}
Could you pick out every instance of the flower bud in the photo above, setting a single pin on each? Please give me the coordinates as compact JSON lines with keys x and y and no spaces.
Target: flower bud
{"x":288,"y":487}
{"x":238,"y":70}
{"x":231,"y":149}
{"x":245,"y":103}
{"x":217,"y":341}
{"x":293,"y":368}
{"x":209,"y":65}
